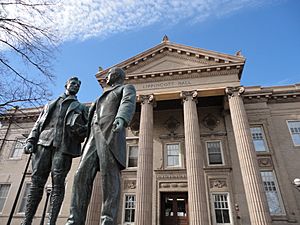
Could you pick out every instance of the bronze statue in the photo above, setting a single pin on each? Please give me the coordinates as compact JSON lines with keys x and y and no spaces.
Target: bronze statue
{"x":55,"y":139}
{"x":104,"y":150}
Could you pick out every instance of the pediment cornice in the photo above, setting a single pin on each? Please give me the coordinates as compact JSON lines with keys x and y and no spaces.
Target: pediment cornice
{"x":205,"y":58}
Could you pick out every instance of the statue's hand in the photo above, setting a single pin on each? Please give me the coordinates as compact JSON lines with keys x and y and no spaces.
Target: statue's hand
{"x":118,"y":124}
{"x":28,"y":148}
{"x":81,"y":132}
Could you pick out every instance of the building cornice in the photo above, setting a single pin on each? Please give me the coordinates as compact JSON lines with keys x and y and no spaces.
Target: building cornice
{"x":288,"y":93}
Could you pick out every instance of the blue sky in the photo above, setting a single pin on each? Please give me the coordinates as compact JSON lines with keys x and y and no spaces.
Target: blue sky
{"x":104,"y":33}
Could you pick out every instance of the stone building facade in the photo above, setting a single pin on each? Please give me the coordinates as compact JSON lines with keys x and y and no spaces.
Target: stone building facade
{"x":201,"y":149}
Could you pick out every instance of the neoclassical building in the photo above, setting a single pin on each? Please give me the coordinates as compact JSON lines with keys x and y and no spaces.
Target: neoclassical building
{"x":201,"y":149}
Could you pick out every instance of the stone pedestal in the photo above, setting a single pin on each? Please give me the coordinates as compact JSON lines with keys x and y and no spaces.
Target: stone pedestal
{"x":194,"y":162}
{"x":143,"y":215}
{"x":254,"y":191}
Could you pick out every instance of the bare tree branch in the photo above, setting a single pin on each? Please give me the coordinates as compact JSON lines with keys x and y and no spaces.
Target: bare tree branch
{"x":27,"y":43}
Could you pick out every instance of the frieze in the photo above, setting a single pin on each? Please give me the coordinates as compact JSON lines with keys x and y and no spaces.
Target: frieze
{"x":163,"y":77}
{"x":171,"y":176}
{"x":218,"y":183}
{"x":173,"y":185}
{"x":167,"y":84}
{"x":272,"y":98}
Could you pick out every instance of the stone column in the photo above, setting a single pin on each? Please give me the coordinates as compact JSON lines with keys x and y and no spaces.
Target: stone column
{"x":194,"y":161}
{"x":256,"y":199}
{"x":94,"y":210}
{"x":143,"y":214}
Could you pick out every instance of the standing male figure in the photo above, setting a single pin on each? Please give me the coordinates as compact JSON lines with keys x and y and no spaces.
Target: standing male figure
{"x":104,"y":150}
{"x":54,"y":140}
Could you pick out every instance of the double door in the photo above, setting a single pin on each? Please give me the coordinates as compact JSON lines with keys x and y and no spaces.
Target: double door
{"x":174,"y":208}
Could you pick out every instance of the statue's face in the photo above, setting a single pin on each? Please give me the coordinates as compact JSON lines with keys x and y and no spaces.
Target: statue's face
{"x":111,"y":77}
{"x":73,"y":87}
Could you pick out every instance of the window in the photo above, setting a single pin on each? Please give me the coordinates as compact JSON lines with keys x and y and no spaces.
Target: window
{"x":24,"y":198}
{"x":129,"y":209}
{"x":272,"y":192}
{"x":17,"y":151}
{"x":214,"y":152}
{"x":173,"y":155}
{"x":132,"y":156}
{"x":220,"y":204}
{"x":4,"y":188}
{"x":259,"y":139}
{"x":294,"y":127}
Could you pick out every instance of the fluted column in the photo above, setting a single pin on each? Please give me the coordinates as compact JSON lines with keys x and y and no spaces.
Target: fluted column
{"x":94,"y":210}
{"x":194,"y":161}
{"x":144,"y":193}
{"x":256,"y":199}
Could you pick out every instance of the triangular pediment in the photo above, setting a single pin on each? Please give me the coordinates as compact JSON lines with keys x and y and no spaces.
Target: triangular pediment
{"x":173,"y":57}
{"x":167,"y":61}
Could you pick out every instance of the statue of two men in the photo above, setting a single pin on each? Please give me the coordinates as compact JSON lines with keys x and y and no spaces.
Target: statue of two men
{"x":104,"y":150}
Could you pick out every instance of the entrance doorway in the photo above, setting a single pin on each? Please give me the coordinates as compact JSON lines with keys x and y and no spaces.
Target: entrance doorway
{"x":174,"y":208}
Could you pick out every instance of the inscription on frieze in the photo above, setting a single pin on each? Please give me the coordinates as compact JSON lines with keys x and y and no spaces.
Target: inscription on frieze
{"x":166,"y":84}
{"x":173,"y":185}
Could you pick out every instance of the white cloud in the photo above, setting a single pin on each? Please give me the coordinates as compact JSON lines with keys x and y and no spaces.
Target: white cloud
{"x":83,"y":19}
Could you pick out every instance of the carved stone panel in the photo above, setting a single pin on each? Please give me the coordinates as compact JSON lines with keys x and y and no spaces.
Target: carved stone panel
{"x":218,"y":183}
{"x":265,"y":161}
{"x":130,"y":184}
{"x":210,"y":121}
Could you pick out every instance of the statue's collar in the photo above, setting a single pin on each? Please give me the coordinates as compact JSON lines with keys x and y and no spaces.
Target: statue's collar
{"x":68,"y":97}
{"x":112,"y":87}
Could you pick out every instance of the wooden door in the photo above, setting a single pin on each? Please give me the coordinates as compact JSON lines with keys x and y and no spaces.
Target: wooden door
{"x":174,"y":208}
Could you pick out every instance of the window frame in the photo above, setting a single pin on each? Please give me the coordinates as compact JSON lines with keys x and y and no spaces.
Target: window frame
{"x":221,"y":152}
{"x":5,"y":201}
{"x":213,"y":213}
{"x":12,"y":151}
{"x":279,"y":196}
{"x":124,"y":209}
{"x":127,"y":157}
{"x":267,"y":149}
{"x":291,"y":135}
{"x":180,"y":155}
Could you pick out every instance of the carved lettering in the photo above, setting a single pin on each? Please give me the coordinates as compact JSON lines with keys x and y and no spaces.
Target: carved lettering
{"x":166,"y":84}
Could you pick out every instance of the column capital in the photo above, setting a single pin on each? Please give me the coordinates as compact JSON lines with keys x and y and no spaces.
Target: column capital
{"x":189,"y":95}
{"x":234,"y":91}
{"x":149,"y":99}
